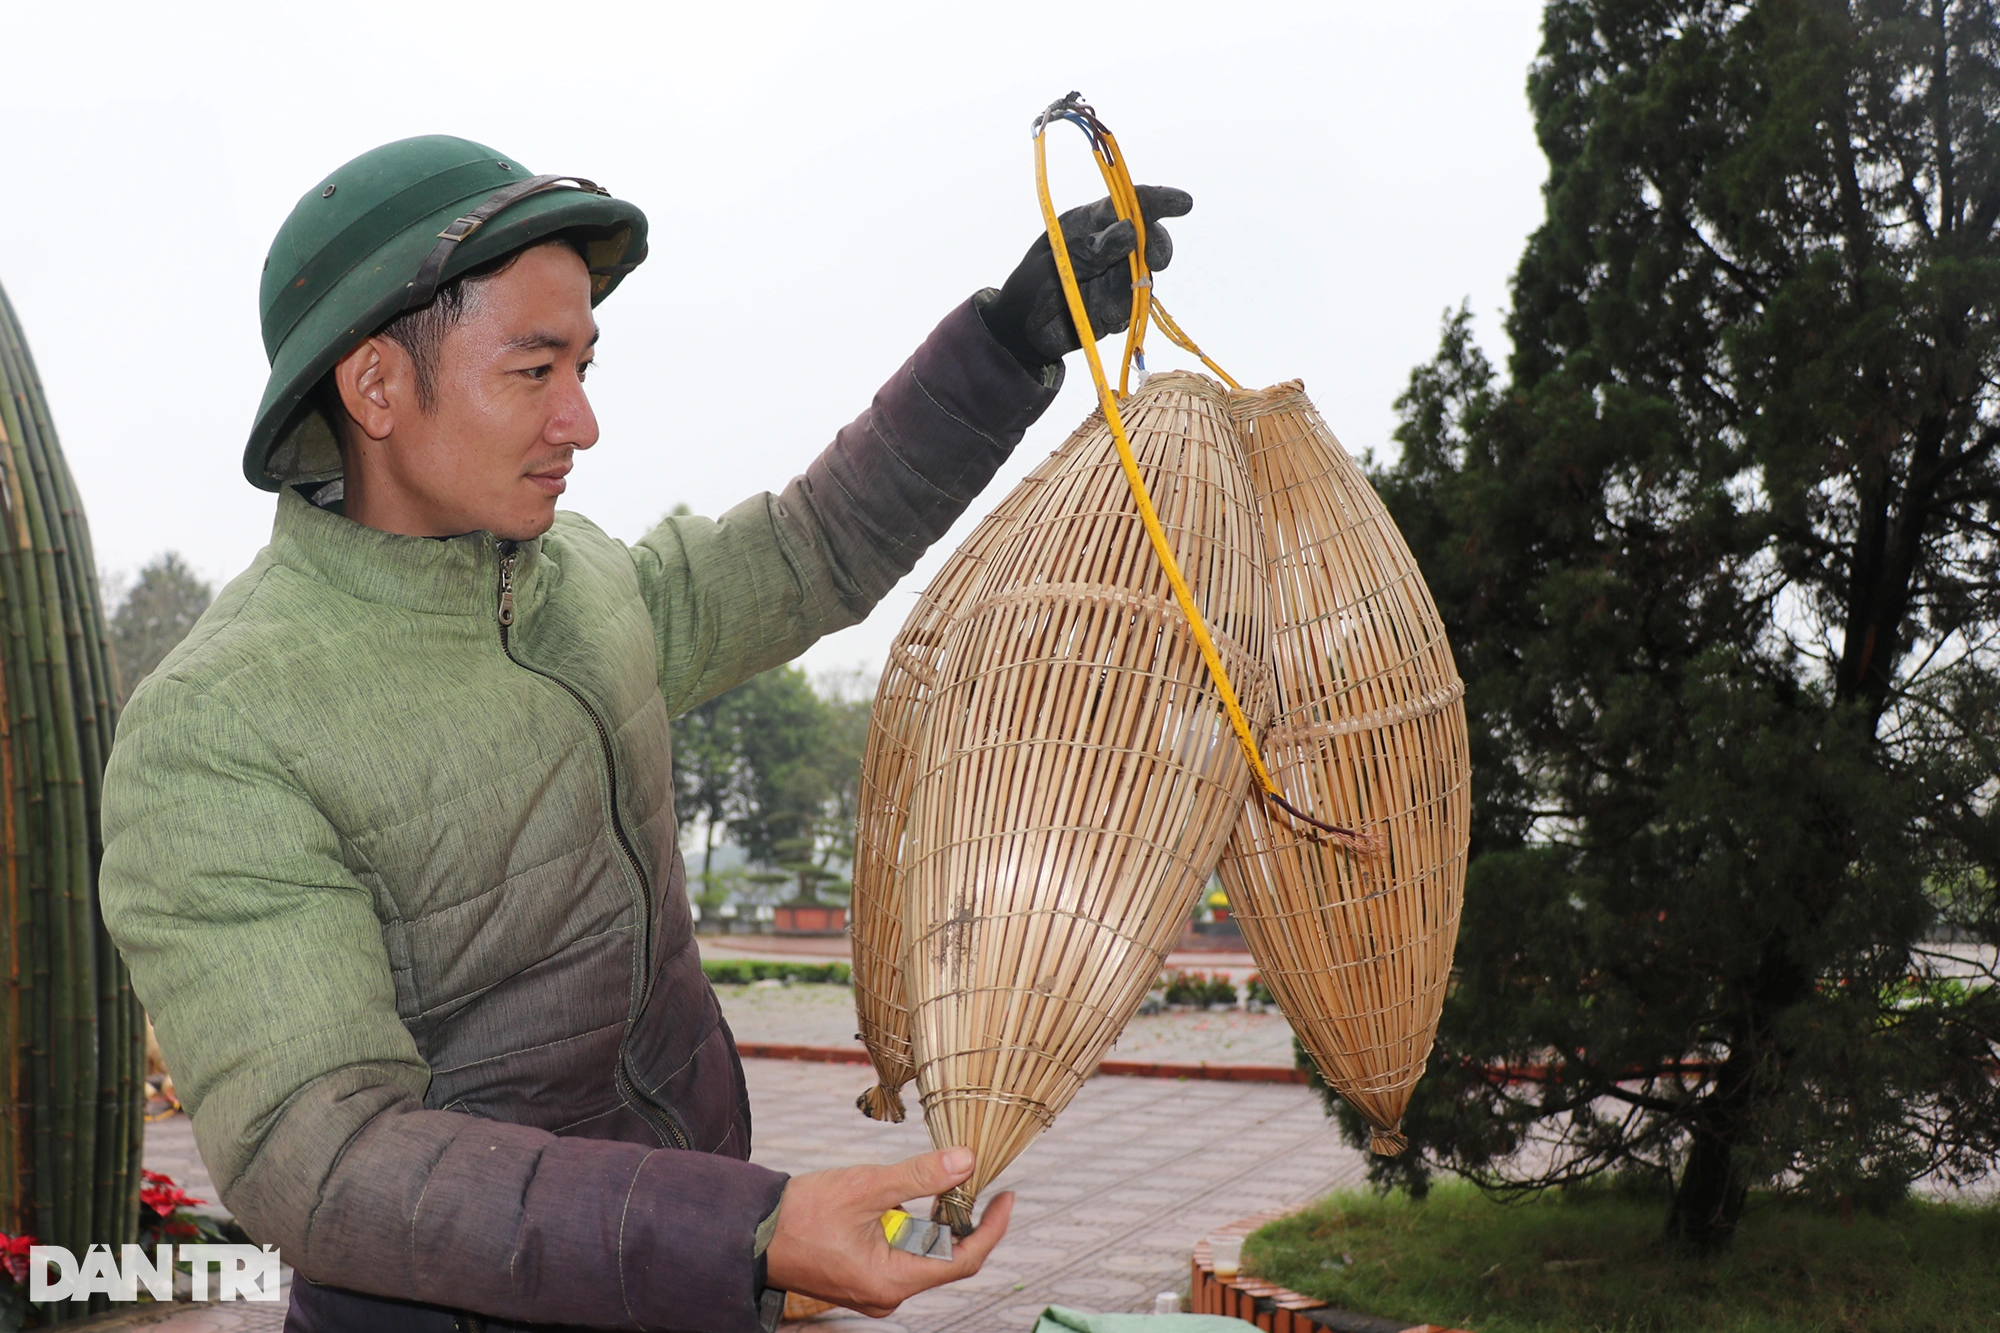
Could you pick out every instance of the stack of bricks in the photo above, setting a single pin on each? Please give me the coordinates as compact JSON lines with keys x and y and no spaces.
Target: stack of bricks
{"x":1274,"y":1308}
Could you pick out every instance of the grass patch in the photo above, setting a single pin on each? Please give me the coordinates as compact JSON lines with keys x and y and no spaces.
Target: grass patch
{"x":1592,"y":1261}
{"x":743,"y":971}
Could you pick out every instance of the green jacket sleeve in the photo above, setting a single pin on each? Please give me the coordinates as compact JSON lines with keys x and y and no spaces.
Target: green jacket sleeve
{"x":735,"y":596}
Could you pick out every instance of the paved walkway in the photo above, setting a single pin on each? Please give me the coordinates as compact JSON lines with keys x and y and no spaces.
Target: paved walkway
{"x":1112,"y":1199}
{"x":813,"y":1015}
{"x":1235,"y":964}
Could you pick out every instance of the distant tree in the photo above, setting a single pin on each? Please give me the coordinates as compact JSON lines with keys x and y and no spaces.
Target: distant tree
{"x":1721,"y":561}
{"x":776,"y":765}
{"x":792,"y":764}
{"x":155,"y":614}
{"x":708,"y":775}
{"x":848,"y":696}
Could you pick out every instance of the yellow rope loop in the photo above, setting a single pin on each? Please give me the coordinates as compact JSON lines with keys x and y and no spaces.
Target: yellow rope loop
{"x":1125,"y":199}
{"x":1175,"y":336}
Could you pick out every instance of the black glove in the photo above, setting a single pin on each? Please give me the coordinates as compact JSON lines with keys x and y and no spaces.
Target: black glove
{"x":1030,"y":317}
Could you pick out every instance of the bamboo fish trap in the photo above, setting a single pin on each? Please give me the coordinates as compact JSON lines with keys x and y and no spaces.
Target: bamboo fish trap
{"x":1370,"y":734}
{"x":1076,"y":777}
{"x":902,"y":701}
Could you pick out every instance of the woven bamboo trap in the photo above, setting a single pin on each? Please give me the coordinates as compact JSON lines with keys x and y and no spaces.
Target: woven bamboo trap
{"x":902,"y":701}
{"x":1076,"y":777}
{"x":1370,"y":735}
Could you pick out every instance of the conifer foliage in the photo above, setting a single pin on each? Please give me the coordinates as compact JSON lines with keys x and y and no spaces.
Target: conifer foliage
{"x":154,"y":615}
{"x":74,"y":1050}
{"x":776,"y":765}
{"x":1720,"y":554}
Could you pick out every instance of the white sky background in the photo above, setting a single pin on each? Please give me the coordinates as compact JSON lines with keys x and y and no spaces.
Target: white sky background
{"x":824,"y":182}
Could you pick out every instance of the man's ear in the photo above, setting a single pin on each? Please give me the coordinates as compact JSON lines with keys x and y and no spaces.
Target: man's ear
{"x":375,"y":383}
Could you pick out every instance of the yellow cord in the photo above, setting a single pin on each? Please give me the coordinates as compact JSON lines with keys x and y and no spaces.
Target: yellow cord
{"x":1147,"y":514}
{"x":1174,"y":335}
{"x":1125,"y":199}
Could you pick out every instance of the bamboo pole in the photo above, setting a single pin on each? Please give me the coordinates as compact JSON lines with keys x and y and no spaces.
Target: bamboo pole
{"x":75,"y":1147}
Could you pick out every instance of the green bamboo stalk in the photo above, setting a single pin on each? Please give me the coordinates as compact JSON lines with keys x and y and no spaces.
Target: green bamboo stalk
{"x":78,"y":1059}
{"x":98,"y":1083}
{"x":16,"y":1126}
{"x":70,"y":1048}
{"x":121,"y":1050}
{"x":31,"y":1073}
{"x":76,"y":734}
{"x":28,"y":1055}
{"x":72,"y":1035}
{"x":68,"y":831}
{"x":27,"y":701}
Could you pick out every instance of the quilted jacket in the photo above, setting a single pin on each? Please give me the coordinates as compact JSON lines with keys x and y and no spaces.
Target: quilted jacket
{"x":391,"y":851}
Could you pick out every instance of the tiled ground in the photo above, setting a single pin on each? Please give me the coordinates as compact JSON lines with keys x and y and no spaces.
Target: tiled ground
{"x":1111,"y":1200}
{"x":824,"y":1016}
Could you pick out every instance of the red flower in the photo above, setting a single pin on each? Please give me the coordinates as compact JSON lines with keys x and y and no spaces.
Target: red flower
{"x":163,"y":1196}
{"x":14,"y":1255}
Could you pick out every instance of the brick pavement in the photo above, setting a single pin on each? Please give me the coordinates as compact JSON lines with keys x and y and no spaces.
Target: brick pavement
{"x":1111,"y":1200}
{"x":824,"y":1016}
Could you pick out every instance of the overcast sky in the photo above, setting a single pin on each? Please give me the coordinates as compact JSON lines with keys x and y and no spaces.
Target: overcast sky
{"x":824,"y":182}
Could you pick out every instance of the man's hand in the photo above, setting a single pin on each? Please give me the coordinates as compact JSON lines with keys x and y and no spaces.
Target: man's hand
{"x":829,"y":1241}
{"x":1030,"y":316}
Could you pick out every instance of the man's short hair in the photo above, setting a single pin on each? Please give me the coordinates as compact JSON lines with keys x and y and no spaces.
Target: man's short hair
{"x":421,"y":332}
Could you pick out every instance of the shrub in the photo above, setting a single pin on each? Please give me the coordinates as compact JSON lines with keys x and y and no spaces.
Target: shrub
{"x":743,"y":971}
{"x":1198,"y":988}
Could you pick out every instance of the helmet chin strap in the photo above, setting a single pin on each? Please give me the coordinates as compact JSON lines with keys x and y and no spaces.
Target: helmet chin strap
{"x":424,"y":286}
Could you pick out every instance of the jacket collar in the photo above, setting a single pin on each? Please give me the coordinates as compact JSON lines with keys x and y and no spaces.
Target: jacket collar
{"x":452,"y":576}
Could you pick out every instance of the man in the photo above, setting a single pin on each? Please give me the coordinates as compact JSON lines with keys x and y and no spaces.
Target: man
{"x":390,"y":843}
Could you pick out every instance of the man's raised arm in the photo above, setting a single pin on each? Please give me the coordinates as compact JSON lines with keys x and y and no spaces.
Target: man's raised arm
{"x":734,"y":596}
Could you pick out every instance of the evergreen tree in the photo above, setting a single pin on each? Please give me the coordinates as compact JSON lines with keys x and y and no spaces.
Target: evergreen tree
{"x":848,"y":696}
{"x":156,"y":613}
{"x":708,"y":775}
{"x":1719,"y":561}
{"x":778,"y":767}
{"x":781,"y":730}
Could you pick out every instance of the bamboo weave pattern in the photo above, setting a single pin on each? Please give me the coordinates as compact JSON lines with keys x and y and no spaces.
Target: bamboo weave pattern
{"x":902,"y":702}
{"x":1370,"y":734}
{"x":1076,"y":776}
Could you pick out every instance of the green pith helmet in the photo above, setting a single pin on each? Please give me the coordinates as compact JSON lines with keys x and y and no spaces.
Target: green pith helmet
{"x":376,"y":238}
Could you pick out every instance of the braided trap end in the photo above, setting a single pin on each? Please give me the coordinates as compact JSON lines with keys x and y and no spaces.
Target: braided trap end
{"x":954,"y":1209}
{"x":1388,"y":1142}
{"x":881,"y":1102}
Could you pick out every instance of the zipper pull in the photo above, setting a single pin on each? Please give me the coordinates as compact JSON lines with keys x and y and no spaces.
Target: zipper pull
{"x":507,"y":589}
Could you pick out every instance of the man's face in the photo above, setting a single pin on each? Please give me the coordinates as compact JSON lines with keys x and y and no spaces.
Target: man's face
{"x":509,"y":411}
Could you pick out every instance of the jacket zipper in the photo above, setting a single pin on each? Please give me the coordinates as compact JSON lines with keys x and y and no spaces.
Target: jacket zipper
{"x":662,"y":1118}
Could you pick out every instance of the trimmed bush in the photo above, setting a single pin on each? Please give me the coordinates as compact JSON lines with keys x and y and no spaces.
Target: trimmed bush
{"x":743,"y":971}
